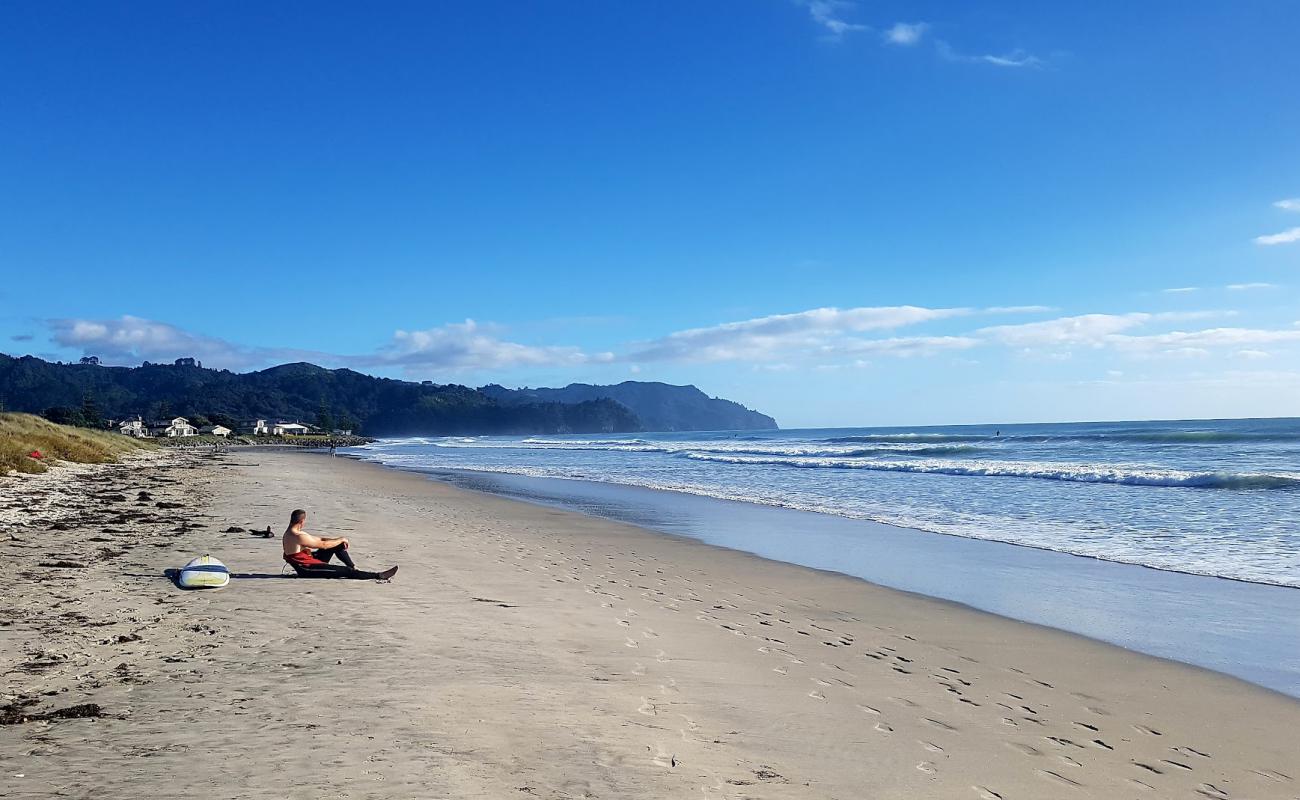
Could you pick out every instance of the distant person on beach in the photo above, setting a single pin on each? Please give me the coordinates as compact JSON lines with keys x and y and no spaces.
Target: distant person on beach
{"x":310,"y":555}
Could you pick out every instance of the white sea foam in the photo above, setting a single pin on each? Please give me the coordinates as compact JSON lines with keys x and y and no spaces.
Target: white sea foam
{"x":1081,"y":473}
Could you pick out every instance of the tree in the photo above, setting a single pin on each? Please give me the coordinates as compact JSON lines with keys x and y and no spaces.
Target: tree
{"x":63,"y":415}
{"x":324,"y":420}
{"x":90,"y":414}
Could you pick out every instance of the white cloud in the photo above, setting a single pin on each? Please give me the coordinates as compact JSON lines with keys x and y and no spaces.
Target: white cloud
{"x":1019,"y":309}
{"x":1017,"y":58}
{"x":830,"y":15}
{"x":1242,"y":287}
{"x":472,"y":346}
{"x":1115,"y":331}
{"x":1181,"y":290}
{"x":465,"y":346}
{"x":1090,"y":330}
{"x":1254,"y":355}
{"x":763,"y":338}
{"x":1285,"y":237}
{"x":1209,"y":338}
{"x":906,"y":34}
{"x":1290,"y":204}
{"x":129,"y":339}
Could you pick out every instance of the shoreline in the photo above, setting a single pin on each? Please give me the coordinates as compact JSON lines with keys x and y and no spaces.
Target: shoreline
{"x":530,"y":650}
{"x":1232,"y":627}
{"x":433,"y":472}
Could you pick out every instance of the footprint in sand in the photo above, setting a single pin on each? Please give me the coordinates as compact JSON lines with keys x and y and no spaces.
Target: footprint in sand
{"x":986,"y":793}
{"x":927,"y":767}
{"x":884,"y":727}
{"x":630,"y":642}
{"x":1058,"y":778}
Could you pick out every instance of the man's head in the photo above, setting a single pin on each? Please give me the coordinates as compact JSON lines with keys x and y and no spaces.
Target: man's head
{"x":298,"y":517}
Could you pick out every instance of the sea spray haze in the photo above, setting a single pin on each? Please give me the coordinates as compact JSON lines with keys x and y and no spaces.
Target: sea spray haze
{"x":1209,"y":497}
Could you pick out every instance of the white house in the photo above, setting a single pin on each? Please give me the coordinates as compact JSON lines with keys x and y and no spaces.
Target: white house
{"x":215,"y":430}
{"x":258,"y":428}
{"x":133,"y":427}
{"x":177,"y":426}
{"x":290,"y":429}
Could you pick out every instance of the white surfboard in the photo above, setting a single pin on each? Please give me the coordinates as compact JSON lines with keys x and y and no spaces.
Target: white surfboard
{"x":204,"y":572}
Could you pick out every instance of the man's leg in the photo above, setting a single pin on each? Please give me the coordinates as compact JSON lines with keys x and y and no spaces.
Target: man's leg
{"x":324,"y":554}
{"x":333,"y":571}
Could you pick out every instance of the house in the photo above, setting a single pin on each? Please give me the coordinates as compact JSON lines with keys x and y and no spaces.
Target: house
{"x":177,"y":426}
{"x":290,"y":429}
{"x":133,"y":427}
{"x":257,"y":427}
{"x":215,"y":430}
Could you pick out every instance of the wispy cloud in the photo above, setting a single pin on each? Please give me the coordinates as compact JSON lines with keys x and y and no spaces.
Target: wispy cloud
{"x":1181,"y":290}
{"x":819,"y":334}
{"x":764,"y":338}
{"x":1285,"y":237}
{"x":465,"y":346}
{"x":471,"y":346}
{"x":906,"y":34}
{"x":829,"y":14}
{"x":1090,"y":330}
{"x":132,"y":339}
{"x":1116,"y":331}
{"x":1243,"y":287}
{"x":1015,"y":59}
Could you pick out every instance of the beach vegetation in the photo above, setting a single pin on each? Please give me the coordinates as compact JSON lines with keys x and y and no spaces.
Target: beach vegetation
{"x":21,"y":435}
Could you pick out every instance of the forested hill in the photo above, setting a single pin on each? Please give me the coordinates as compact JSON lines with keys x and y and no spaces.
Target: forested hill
{"x":660,"y":406}
{"x":338,"y":398}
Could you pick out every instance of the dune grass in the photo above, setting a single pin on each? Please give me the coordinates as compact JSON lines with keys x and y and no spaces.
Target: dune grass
{"x":20,"y":434}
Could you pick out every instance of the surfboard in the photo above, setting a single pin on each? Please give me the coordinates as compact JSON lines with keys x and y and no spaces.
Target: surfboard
{"x":204,"y":572}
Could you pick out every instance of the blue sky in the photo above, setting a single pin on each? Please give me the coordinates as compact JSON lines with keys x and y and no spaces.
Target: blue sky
{"x":835,"y":212}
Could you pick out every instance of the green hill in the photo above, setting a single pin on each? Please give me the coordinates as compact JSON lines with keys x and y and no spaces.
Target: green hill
{"x":333,"y":398}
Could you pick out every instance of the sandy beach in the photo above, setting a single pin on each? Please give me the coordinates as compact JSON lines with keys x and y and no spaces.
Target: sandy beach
{"x":530,"y":652}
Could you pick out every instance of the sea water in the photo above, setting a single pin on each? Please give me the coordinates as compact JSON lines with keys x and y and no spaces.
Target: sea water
{"x":1209,"y":497}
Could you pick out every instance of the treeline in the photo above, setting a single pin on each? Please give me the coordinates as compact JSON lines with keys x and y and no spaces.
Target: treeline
{"x":89,"y":395}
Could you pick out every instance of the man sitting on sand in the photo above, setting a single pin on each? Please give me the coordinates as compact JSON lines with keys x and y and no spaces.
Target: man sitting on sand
{"x":310,"y":555}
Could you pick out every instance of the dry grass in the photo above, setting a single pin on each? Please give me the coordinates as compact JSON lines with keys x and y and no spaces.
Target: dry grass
{"x":20,"y":434}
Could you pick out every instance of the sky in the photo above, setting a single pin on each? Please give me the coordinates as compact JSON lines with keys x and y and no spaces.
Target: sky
{"x":837,"y":213}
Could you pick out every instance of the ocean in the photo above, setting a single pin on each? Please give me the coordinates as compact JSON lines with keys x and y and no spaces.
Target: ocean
{"x":1208,"y":497}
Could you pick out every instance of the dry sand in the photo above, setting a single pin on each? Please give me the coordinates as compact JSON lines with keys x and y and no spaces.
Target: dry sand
{"x":530,"y":652}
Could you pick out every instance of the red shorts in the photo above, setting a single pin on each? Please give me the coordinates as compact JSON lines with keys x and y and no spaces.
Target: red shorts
{"x":303,"y":558}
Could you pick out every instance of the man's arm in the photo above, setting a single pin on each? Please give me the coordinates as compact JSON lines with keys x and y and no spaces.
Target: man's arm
{"x":304,"y":539}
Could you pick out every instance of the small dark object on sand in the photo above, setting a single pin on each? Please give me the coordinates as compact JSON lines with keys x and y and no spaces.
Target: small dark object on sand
{"x":266,"y":534}
{"x":63,"y":564}
{"x":234,"y":529}
{"x":13,"y":714}
{"x":144,"y":496}
{"x":161,"y":504}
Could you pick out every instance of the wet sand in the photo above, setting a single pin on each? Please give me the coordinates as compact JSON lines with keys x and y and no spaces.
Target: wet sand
{"x":529,"y":651}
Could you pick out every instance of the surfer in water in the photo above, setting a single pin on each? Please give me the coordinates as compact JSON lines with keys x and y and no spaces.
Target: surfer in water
{"x":310,"y":555}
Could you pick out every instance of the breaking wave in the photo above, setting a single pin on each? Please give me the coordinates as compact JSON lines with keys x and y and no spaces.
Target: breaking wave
{"x":1079,"y":473}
